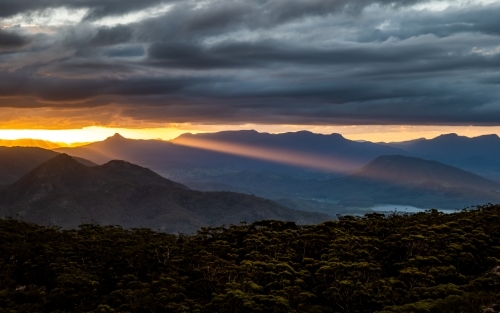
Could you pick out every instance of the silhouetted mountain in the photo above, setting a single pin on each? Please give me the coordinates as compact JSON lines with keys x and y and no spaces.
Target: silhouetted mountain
{"x":18,"y":161}
{"x":132,"y":173}
{"x":406,"y":180}
{"x":480,"y":154}
{"x":64,"y":192}
{"x":331,"y":152}
{"x":400,"y":169}
{"x":192,"y":157}
{"x":58,"y":175}
{"x":119,"y":148}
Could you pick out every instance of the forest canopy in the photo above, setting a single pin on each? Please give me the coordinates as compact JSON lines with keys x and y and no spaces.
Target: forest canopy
{"x":424,"y":262}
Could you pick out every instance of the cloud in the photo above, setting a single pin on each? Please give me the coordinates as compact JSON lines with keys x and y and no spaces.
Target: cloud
{"x":11,"y":40}
{"x":97,"y":8}
{"x":275,"y":62}
{"x":108,"y":36}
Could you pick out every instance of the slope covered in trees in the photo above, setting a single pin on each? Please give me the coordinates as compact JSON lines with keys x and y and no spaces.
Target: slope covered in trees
{"x":426,"y":262}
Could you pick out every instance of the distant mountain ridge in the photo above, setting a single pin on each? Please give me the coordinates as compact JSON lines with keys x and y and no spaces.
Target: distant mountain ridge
{"x":480,"y":155}
{"x":237,"y":150}
{"x":229,"y":161}
{"x":64,"y":192}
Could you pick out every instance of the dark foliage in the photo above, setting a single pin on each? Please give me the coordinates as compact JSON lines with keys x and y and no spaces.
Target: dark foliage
{"x":425,"y":262}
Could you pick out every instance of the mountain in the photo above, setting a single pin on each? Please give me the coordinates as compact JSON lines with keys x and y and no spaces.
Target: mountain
{"x":192,"y":158}
{"x":480,"y":155}
{"x":237,"y":150}
{"x":18,"y":161}
{"x":404,"y":180}
{"x":122,"y":170}
{"x":398,"y":169}
{"x":322,"y":170}
{"x":60,"y":174}
{"x":267,"y":165}
{"x":452,"y":146}
{"x":324,"y":153}
{"x":64,"y":192}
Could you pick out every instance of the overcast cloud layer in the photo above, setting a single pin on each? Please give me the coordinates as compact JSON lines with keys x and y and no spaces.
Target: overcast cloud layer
{"x":123,"y":62}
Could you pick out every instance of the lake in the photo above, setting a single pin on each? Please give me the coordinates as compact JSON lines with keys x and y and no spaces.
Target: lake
{"x":405,"y":209}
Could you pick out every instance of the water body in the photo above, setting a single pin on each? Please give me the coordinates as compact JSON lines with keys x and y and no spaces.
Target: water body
{"x":405,"y":209}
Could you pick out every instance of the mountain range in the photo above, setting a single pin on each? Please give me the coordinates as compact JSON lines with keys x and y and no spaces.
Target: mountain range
{"x":301,"y":171}
{"x":64,"y":192}
{"x":300,"y":153}
{"x":193,"y":157}
{"x":480,"y":155}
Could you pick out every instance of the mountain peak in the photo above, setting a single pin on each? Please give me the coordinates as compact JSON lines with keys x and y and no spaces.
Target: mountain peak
{"x":62,"y":173}
{"x":62,"y":156}
{"x":62,"y":159}
{"x":123,"y":170}
{"x":115,"y":137}
{"x":448,"y":136}
{"x":489,"y":136}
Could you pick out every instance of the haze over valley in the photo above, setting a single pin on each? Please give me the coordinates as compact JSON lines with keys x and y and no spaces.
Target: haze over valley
{"x":300,"y":172}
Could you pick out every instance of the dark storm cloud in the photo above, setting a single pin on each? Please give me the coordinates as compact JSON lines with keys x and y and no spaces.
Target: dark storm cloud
{"x":275,"y":61}
{"x":278,"y":10}
{"x":11,"y":40}
{"x":108,"y":36}
{"x":56,"y":89}
{"x":128,"y":51}
{"x":243,"y":54}
{"x":482,"y":20}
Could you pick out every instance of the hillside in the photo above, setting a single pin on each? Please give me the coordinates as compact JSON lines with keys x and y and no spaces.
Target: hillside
{"x":60,"y":174}
{"x":427,"y":262}
{"x":408,"y":181}
{"x":18,"y":161}
{"x":400,"y":169}
{"x":64,"y":192}
{"x":392,"y":179}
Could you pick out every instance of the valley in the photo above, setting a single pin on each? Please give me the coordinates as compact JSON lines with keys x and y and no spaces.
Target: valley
{"x":256,"y":188}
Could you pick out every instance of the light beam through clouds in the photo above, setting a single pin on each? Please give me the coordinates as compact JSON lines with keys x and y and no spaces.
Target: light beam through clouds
{"x":281,"y":156}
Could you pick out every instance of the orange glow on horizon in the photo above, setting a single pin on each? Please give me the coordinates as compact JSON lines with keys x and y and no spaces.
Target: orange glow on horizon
{"x":89,"y":134}
{"x":374,"y":133}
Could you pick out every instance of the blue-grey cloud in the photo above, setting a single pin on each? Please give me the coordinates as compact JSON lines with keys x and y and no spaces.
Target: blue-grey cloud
{"x":12,"y":40}
{"x":274,"y":61}
{"x":96,"y":8}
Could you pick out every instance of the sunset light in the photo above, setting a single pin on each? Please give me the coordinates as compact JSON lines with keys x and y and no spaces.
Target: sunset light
{"x":219,"y":156}
{"x":373,"y":133}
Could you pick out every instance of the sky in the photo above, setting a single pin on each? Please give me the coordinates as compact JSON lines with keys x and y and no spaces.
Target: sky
{"x":380,"y":70}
